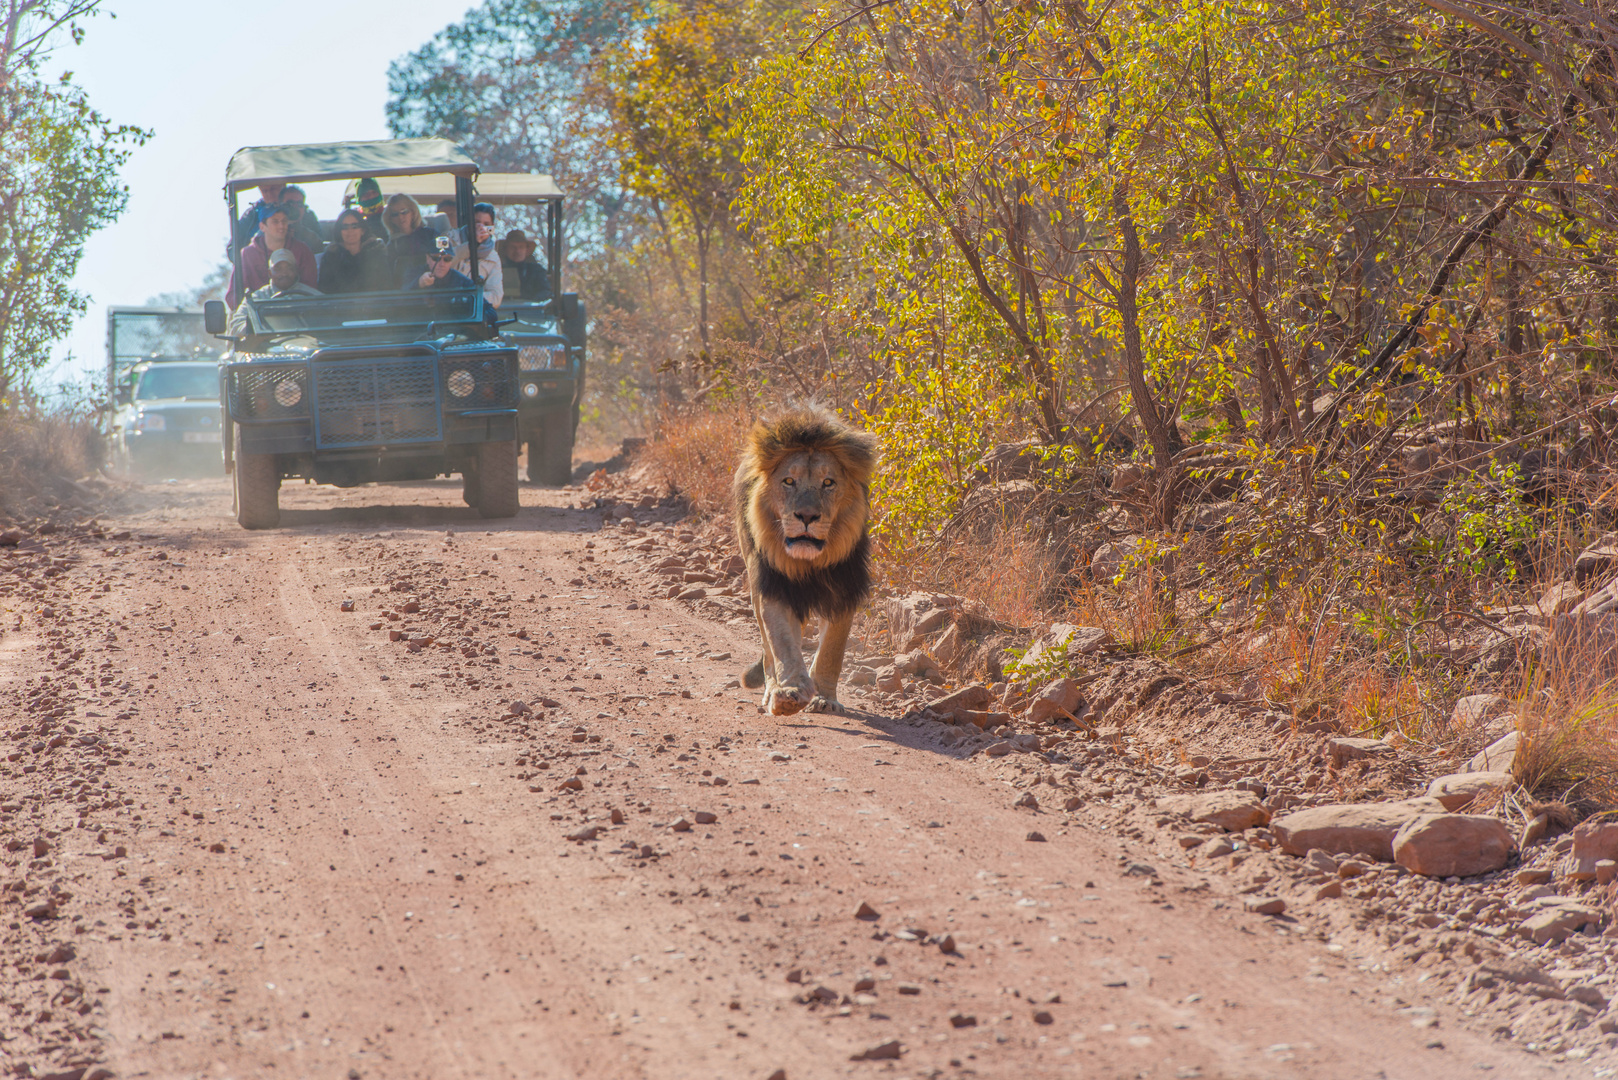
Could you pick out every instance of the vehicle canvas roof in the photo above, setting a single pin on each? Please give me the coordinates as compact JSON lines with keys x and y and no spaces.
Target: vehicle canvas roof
{"x":254,"y":165}
{"x":497,"y":189}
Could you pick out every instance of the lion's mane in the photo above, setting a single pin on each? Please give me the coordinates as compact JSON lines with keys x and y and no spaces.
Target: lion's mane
{"x":838,"y":579}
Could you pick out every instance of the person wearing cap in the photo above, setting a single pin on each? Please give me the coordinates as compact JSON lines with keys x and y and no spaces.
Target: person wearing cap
{"x":269,"y":193}
{"x":368,"y":200}
{"x":440,"y":273}
{"x":524,"y":279}
{"x":284,"y":285}
{"x":274,"y":233}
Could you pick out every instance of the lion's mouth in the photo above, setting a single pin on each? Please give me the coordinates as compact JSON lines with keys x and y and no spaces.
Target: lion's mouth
{"x":804,"y":547}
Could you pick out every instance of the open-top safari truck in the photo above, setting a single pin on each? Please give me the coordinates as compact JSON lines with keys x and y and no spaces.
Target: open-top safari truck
{"x":402,"y":383}
{"x":549,"y":329}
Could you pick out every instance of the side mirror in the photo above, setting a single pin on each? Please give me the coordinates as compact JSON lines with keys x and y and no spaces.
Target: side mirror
{"x":214,"y":319}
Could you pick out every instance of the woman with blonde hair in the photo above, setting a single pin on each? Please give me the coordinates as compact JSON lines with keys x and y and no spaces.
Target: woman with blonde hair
{"x":409,"y":241}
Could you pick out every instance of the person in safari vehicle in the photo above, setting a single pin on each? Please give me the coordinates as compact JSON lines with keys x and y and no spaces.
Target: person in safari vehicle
{"x":395,"y":380}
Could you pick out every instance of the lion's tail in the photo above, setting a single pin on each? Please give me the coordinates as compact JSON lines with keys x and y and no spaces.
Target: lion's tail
{"x":753,"y":677}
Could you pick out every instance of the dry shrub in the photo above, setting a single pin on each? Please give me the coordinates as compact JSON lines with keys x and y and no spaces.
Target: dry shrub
{"x":695,"y":450}
{"x":1001,"y":566}
{"x":41,"y":455}
{"x":1567,"y":724}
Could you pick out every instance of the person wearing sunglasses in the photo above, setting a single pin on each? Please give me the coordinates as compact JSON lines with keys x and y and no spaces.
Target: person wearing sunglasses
{"x":408,"y":238}
{"x":440,"y":273}
{"x":356,"y":261}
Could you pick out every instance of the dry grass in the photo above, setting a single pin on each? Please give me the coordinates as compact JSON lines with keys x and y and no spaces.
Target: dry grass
{"x":695,"y":452}
{"x":1003,"y":567}
{"x":41,"y":455}
{"x":1567,"y":724}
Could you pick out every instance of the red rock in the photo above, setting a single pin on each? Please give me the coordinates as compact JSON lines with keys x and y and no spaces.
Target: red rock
{"x":1453,"y":845}
{"x":1055,"y":700}
{"x":1349,"y":828}
{"x":1456,"y":790}
{"x":1232,"y":811}
{"x":975,"y":696}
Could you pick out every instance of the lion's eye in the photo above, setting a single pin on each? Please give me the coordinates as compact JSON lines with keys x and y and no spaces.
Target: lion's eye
{"x":829,"y":482}
{"x":789,"y":482}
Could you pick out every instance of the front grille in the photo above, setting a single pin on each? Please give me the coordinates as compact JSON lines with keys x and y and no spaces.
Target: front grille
{"x":253,"y":393}
{"x":376,"y":402}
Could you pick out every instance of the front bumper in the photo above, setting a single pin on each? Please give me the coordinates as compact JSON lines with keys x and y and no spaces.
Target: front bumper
{"x":354,"y":404}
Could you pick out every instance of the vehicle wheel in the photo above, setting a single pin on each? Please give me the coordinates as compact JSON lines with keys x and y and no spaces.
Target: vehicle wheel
{"x":550,"y":457}
{"x":258,"y":489}
{"x":469,"y":485}
{"x":496,"y":480}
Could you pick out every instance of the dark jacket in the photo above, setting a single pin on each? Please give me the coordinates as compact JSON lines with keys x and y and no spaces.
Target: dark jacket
{"x":452,"y":280}
{"x":408,"y":251}
{"x":526,"y":280}
{"x":368,"y":271}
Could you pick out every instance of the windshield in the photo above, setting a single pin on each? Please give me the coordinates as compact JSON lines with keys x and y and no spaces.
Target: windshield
{"x":361,"y":255}
{"x":192,"y":383}
{"x":146,"y":335}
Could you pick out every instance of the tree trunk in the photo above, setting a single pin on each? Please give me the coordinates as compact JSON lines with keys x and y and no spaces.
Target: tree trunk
{"x":1159,"y":425}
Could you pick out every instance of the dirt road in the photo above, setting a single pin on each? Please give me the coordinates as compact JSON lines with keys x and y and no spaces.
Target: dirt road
{"x":273,"y":842}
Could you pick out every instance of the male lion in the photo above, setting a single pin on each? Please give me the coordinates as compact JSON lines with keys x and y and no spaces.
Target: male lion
{"x":803,"y":509}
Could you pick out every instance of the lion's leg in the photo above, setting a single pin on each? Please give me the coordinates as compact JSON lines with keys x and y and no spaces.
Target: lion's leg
{"x":763,"y":672}
{"x":787,"y":684}
{"x":828,"y":667}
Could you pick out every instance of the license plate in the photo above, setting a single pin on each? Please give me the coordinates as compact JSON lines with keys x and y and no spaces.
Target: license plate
{"x":200,"y":437}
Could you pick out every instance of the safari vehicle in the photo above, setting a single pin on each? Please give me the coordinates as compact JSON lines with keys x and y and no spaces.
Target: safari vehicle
{"x":162,"y":390}
{"x":406,"y":383}
{"x":550,"y":332}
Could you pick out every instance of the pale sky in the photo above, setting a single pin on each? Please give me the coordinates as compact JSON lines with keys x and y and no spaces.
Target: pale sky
{"x":208,"y":78}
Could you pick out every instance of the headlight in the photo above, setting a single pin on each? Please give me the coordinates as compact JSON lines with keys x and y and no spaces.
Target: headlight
{"x":530,"y":390}
{"x":461,"y":383}
{"x":151,"y":422}
{"x":542,"y":357}
{"x":288,"y":392}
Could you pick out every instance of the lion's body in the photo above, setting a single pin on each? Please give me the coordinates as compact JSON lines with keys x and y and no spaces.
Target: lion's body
{"x":802,"y":497}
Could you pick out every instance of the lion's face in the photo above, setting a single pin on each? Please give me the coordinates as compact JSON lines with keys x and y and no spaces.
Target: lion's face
{"x":802,"y":492}
{"x":805,"y":496}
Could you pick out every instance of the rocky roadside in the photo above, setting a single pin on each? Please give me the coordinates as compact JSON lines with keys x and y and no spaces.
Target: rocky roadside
{"x":1410,"y":864}
{"x":69,"y":808}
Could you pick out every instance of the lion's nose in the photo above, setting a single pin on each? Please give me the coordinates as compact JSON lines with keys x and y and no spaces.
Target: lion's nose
{"x":808,"y":517}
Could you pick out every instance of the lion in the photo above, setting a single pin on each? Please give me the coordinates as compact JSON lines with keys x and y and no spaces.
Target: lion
{"x":803,"y":513}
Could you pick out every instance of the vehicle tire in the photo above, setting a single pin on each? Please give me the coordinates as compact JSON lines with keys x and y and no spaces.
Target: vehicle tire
{"x":496,"y":480}
{"x":469,"y":485}
{"x":257,"y":487}
{"x":550,"y":457}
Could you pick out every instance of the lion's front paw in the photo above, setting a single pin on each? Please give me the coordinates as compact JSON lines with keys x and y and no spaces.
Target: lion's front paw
{"x":782,"y":700}
{"x":822,"y":704}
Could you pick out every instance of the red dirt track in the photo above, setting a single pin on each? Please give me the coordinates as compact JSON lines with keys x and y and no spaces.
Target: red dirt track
{"x":396,"y":896}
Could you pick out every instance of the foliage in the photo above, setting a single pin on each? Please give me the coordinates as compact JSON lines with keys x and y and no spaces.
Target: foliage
{"x":507,"y":82}
{"x":59,"y":161}
{"x":1491,"y":524}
